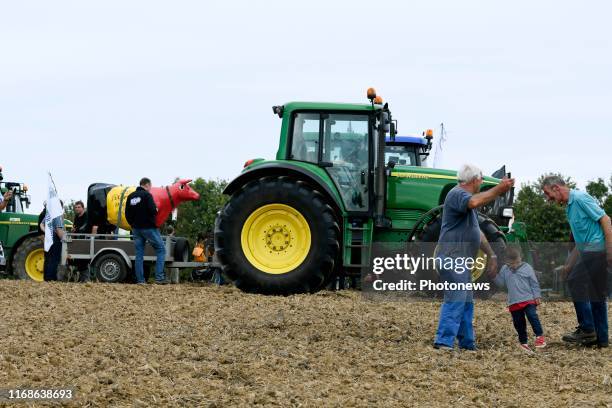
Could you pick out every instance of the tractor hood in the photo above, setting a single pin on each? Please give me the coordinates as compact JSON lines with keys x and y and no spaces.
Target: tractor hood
{"x":434,"y":184}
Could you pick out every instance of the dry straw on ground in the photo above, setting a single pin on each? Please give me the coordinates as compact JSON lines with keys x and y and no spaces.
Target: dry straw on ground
{"x":188,"y":345}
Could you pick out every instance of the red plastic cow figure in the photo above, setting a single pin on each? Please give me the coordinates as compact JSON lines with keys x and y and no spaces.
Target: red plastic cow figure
{"x":169,"y":197}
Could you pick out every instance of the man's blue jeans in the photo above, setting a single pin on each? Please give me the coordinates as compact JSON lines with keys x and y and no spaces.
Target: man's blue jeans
{"x":456,"y":322}
{"x":456,"y":314}
{"x":153,"y":237}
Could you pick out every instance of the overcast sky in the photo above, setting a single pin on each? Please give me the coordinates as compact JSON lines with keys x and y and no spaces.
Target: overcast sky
{"x":112,"y":91}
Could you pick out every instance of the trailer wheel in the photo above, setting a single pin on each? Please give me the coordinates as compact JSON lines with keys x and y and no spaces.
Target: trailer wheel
{"x":277,"y":235}
{"x":29,"y":259}
{"x":110,"y":268}
{"x":181,"y":250}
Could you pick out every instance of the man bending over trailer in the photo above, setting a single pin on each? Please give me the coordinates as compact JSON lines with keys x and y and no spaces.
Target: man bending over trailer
{"x":140,"y":213}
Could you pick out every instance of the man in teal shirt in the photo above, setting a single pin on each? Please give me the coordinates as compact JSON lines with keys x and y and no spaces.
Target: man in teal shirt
{"x":586,"y":267}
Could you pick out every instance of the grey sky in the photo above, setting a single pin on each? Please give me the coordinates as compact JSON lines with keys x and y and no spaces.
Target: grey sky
{"x":116,"y":90}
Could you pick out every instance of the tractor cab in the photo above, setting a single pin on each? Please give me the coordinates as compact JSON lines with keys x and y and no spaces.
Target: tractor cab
{"x":407,"y":150}
{"x":339,"y":144}
{"x":20,"y":200}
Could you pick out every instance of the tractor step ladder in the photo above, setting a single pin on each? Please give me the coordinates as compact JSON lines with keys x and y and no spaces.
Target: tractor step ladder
{"x":357,"y":243}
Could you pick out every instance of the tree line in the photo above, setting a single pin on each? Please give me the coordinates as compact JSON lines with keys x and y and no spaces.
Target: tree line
{"x":547,"y":222}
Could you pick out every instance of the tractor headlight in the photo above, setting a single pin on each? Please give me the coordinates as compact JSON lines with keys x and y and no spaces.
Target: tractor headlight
{"x":508,"y":212}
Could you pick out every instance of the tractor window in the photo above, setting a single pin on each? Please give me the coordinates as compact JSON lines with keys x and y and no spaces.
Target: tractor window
{"x":401,"y":155}
{"x":345,"y":146}
{"x":18,"y":205}
{"x":305,"y":137}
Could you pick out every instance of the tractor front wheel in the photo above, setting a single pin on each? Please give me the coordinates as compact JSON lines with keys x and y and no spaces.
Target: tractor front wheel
{"x":277,"y":235}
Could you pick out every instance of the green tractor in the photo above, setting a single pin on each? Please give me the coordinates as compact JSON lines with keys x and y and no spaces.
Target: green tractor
{"x":19,"y":236}
{"x":341,"y":182}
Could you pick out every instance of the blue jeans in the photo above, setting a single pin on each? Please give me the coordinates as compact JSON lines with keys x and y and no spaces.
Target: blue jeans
{"x":456,"y":314}
{"x":153,"y":237}
{"x":518,"y":318}
{"x":456,"y":322}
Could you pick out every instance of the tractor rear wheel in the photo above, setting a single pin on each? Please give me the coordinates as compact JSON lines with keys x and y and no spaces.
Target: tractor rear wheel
{"x":29,"y":259}
{"x":277,"y":235}
{"x":496,"y":238}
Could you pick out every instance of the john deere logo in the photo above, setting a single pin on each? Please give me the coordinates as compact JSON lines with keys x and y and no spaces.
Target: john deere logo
{"x":411,"y":175}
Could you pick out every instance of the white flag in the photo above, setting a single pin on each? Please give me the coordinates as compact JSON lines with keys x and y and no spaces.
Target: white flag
{"x":54,"y":210}
{"x":439,"y":149}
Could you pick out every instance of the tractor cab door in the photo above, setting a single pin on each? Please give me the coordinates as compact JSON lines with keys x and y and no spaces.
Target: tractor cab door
{"x":345,"y":154}
{"x":339,"y":143}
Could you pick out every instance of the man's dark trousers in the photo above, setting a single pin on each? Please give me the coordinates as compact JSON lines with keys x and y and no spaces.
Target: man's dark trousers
{"x":588,"y":286}
{"x":52,"y":261}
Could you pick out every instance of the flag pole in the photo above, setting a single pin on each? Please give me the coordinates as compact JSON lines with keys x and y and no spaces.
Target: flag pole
{"x":52,"y":181}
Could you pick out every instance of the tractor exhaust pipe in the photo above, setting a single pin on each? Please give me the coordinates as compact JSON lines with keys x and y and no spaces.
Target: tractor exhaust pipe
{"x":380,"y":186}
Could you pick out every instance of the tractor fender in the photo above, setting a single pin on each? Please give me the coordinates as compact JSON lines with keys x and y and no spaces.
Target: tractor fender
{"x":444,"y":192}
{"x":118,"y":251}
{"x":285,"y":169}
{"x":9,"y":262}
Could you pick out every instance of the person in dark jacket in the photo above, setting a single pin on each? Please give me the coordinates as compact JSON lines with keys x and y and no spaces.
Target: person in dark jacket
{"x":81,"y":225}
{"x":140,"y":212}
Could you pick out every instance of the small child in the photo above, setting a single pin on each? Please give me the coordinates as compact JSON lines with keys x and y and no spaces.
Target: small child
{"x":523,"y":296}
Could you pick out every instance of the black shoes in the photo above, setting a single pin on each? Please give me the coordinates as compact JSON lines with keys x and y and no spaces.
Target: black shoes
{"x":164,"y":282}
{"x":597,"y":344}
{"x":443,"y":347}
{"x":580,"y":336}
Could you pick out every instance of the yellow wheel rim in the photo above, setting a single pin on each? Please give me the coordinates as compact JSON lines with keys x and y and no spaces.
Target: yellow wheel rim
{"x":34,"y":264}
{"x":276,"y":238}
{"x":476,"y":271}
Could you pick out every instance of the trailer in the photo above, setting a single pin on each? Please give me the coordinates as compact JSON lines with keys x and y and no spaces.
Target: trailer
{"x":111,"y":257}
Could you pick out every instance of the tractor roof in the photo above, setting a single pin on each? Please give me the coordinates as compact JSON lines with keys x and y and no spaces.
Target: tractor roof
{"x":291,"y":106}
{"x":407,"y":139}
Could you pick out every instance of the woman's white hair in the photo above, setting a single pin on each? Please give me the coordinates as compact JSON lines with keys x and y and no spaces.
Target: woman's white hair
{"x":468,"y":173}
